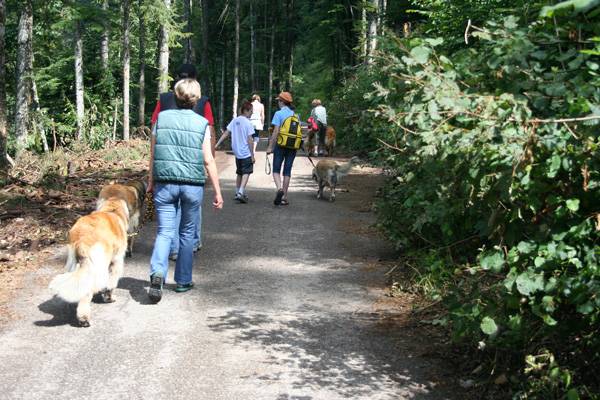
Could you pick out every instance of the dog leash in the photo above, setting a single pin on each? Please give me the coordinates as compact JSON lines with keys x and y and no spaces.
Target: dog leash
{"x":149,"y":214}
{"x":310,"y":159}
{"x":268,"y":166}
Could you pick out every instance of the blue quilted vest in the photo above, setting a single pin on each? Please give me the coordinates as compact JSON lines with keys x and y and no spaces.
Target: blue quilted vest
{"x":178,"y":150}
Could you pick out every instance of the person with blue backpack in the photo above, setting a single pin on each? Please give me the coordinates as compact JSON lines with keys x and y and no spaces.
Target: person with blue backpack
{"x":283,"y":144}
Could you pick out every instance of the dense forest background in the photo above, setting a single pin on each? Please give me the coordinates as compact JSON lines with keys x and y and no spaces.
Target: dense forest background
{"x":483,"y":113}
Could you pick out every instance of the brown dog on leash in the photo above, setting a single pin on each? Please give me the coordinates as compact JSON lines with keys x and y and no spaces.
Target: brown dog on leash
{"x":95,"y":258}
{"x":133,"y":193}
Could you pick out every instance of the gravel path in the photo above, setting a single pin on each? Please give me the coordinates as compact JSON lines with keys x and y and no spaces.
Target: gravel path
{"x":287,"y":305}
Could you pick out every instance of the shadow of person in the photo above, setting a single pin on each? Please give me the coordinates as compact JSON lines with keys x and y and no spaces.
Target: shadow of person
{"x":138,"y":289}
{"x":62,"y":313}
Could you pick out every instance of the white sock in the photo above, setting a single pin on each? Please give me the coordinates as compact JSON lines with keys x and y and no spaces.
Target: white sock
{"x":237,"y":190}
{"x":241,"y":191}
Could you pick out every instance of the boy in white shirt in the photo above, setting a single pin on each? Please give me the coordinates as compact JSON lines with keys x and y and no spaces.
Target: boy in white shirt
{"x":242,"y":144}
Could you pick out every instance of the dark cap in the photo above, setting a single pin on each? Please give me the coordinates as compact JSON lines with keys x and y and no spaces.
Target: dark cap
{"x":186,"y":71}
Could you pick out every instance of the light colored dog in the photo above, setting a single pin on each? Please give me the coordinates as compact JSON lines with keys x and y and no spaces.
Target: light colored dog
{"x":329,"y":173}
{"x":95,"y":259}
{"x":133,"y":193}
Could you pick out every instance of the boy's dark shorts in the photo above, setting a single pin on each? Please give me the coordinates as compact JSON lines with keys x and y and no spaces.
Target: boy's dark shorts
{"x":244,"y":166}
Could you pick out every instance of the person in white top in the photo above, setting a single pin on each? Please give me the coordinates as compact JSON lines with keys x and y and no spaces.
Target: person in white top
{"x":257,"y":118}
{"x":319,"y":113}
{"x":242,"y":144}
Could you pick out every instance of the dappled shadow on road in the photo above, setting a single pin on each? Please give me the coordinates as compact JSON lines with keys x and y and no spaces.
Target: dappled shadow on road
{"x":343,"y":352}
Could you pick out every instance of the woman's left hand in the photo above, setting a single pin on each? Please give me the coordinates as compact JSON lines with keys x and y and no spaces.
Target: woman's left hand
{"x":218,"y":201}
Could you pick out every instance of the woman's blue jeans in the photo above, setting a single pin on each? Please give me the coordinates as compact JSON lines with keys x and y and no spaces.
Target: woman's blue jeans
{"x":168,"y":198}
{"x":197,"y":234}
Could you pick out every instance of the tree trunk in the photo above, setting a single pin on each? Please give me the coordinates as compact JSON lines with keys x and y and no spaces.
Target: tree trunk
{"x":104,"y":38}
{"x":372,"y":38}
{"x":163,"y":55}
{"x":291,"y":26}
{"x":126,"y":62}
{"x":189,"y":57}
{"x":222,"y":99}
{"x":382,"y":17}
{"x":3,"y":127}
{"x":142,"y":66}
{"x":79,"y":105}
{"x":364,"y":33}
{"x":236,"y":63}
{"x":38,"y":113}
{"x":270,"y":89}
{"x":25,"y":53}
{"x":205,"y":34}
{"x":252,"y":49}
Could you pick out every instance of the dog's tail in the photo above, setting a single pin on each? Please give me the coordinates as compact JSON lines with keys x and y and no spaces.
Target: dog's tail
{"x":86,"y":273}
{"x":344,"y":168}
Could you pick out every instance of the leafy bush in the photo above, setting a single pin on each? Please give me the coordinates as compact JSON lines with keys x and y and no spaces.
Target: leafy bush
{"x":494,"y":156}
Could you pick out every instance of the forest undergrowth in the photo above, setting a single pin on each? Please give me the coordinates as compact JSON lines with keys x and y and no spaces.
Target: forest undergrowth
{"x":44,"y":194}
{"x":492,"y":152}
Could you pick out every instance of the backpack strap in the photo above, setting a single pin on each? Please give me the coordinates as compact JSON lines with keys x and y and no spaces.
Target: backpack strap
{"x":167,"y":101}
{"x":199,"y":107}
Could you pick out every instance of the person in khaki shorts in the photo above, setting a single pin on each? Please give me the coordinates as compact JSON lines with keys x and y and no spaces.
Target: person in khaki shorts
{"x":242,"y":144}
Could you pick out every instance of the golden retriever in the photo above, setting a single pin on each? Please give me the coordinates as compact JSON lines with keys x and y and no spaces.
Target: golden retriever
{"x":95,"y":258}
{"x":133,"y":194}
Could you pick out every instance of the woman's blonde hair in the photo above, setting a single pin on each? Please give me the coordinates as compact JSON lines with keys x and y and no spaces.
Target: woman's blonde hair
{"x":316,"y":102}
{"x":187,"y":93}
{"x":255,"y":97}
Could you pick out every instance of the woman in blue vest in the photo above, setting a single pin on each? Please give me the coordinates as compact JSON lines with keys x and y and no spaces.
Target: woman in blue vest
{"x":179,"y":161}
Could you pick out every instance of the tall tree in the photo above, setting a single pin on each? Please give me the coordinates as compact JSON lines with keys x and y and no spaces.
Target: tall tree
{"x":372,"y":33}
{"x":24,"y":55}
{"x":252,"y":48}
{"x":382,"y":16}
{"x":364,"y":42}
{"x":104,"y":37}
{"x":189,"y":56}
{"x":40,"y":126}
{"x":126,"y":64}
{"x":291,"y":40}
{"x":163,"y":53}
{"x":142,"y":64}
{"x":271,"y":59}
{"x":205,"y":35}
{"x":236,"y":63}
{"x":222,"y":93}
{"x":79,"y":90}
{"x":3,"y":125}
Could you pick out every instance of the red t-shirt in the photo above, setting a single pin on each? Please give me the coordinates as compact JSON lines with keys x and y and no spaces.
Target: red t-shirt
{"x":207,"y":113}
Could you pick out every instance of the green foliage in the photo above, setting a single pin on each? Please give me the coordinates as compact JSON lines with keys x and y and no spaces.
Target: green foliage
{"x":578,"y":6}
{"x":483,"y":167}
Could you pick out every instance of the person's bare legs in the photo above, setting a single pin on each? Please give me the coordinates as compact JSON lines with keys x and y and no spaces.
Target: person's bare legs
{"x":277,"y":180}
{"x":244,"y":182}
{"x":238,"y":182}
{"x":286,"y":185}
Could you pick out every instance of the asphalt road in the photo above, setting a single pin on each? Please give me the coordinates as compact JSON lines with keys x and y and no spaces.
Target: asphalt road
{"x":287,"y":305}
